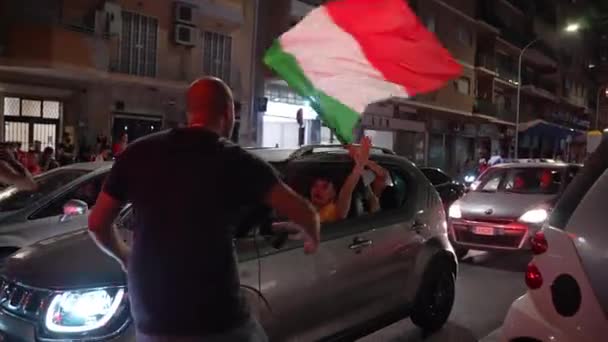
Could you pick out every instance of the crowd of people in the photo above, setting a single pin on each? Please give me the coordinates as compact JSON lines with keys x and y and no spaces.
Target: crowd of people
{"x":25,"y":163}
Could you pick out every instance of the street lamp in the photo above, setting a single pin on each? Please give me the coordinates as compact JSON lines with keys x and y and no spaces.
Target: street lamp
{"x":597,"y":107}
{"x":521,"y":55}
{"x":571,"y":28}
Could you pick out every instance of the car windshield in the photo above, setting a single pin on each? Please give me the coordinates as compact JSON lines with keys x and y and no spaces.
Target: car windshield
{"x":13,"y":199}
{"x":525,"y":180}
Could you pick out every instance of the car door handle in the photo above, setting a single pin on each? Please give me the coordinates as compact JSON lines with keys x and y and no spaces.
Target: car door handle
{"x":359,"y":243}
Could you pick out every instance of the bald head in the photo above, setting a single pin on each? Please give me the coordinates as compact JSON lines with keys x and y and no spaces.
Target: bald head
{"x":210,"y":104}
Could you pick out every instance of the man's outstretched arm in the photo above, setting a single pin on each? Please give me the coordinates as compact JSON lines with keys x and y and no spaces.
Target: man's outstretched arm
{"x":288,"y":203}
{"x":102,"y":230}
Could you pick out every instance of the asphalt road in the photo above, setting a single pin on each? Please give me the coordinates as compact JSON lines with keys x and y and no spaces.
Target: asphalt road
{"x":486,"y":286}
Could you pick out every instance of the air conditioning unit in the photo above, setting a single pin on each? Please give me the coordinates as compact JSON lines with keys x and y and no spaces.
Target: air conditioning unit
{"x":185,"y":35}
{"x":113,"y":18}
{"x":184,"y":13}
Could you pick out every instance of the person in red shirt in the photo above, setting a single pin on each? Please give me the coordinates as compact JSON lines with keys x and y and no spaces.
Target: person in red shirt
{"x":31,"y":163}
{"x":121,"y":145}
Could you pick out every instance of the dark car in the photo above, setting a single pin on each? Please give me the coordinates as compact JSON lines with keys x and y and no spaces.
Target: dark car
{"x":507,"y":205}
{"x":449,"y":189}
{"x":392,"y":263}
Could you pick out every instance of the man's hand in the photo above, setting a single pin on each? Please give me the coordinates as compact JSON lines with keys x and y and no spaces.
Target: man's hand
{"x":298,"y":210}
{"x":296,"y":232}
{"x":104,"y":233}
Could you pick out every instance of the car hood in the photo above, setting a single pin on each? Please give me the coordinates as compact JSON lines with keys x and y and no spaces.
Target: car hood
{"x":67,"y":261}
{"x":501,"y":205}
{"x":6,"y":215}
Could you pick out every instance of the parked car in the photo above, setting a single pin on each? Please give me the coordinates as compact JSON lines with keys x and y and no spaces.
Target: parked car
{"x":30,"y":216}
{"x":448,"y":188}
{"x":567,"y":297}
{"x":370,"y":268}
{"x":507,"y":205}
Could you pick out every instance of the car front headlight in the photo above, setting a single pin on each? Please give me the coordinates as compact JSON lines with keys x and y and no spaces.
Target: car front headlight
{"x":469,"y":178}
{"x":83,"y":310}
{"x":534,"y":216}
{"x":454,"y":211}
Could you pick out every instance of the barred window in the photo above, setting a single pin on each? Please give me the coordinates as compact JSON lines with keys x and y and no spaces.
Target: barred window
{"x":138,"y":45}
{"x":217,"y":55}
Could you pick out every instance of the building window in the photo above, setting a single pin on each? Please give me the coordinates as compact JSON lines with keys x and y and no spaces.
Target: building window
{"x":284,"y":95}
{"x":138,"y":45}
{"x":465,"y":36}
{"x":217,"y":55}
{"x":463,"y":86}
{"x":429,"y":22}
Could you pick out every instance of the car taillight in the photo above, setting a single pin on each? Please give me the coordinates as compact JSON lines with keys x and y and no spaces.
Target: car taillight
{"x":539,"y":243}
{"x":534,"y":279}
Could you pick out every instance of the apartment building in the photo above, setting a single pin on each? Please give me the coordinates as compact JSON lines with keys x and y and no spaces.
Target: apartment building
{"x":94,"y":67}
{"x":474,"y":116}
{"x":555,"y":102}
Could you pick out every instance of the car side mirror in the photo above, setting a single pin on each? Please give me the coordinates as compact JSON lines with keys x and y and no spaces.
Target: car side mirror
{"x":73,"y":208}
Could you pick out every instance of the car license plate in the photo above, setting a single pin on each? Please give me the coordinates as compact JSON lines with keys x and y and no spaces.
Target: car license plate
{"x":483,"y":230}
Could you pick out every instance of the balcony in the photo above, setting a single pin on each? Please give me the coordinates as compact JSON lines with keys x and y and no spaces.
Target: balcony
{"x":487,"y":108}
{"x":57,"y":45}
{"x":507,"y":75}
{"x":486,"y":63}
{"x":518,"y":39}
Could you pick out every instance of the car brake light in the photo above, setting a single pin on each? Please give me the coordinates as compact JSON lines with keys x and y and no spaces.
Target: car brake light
{"x":539,"y":243}
{"x":534,"y":279}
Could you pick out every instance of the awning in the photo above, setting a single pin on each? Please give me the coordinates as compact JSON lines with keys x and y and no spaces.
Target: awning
{"x":544,"y":128}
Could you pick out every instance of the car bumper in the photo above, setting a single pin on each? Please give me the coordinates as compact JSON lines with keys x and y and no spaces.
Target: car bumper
{"x":14,"y":329}
{"x":525,"y":321}
{"x":481,"y":235}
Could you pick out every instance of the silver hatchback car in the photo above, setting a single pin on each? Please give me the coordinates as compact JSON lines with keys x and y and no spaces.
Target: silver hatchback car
{"x":370,"y":270}
{"x":507,"y":205}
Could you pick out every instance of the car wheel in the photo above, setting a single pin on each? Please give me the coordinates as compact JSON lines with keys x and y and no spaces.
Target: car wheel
{"x":435,"y":299}
{"x":461,"y":252}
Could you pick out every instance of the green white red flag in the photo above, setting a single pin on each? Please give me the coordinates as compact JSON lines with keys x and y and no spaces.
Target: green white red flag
{"x":348,"y":54}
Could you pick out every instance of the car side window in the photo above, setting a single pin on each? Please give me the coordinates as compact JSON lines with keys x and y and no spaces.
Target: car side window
{"x":86,"y":191}
{"x":491,"y":181}
{"x":436,"y":177}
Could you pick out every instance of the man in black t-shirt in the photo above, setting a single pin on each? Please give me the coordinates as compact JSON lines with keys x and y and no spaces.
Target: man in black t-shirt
{"x":186,"y":185}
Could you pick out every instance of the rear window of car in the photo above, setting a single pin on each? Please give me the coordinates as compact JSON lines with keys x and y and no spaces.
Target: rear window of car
{"x":525,"y":180}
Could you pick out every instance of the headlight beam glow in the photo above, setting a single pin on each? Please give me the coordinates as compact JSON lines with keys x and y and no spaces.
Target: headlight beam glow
{"x":82,"y":311}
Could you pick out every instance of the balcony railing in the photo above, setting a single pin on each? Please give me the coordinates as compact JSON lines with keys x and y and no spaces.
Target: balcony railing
{"x":487,"y":14}
{"x":486,"y":61}
{"x":488,"y":108}
{"x":507,"y":75}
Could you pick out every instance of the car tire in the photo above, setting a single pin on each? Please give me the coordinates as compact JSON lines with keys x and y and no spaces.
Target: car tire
{"x":461,"y":252}
{"x":433,"y":304}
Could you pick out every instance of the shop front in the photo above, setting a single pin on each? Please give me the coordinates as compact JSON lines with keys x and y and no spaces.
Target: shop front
{"x":280,"y":121}
{"x":452,"y":146}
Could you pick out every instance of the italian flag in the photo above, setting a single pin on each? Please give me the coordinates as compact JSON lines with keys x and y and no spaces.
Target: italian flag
{"x":348,"y":54}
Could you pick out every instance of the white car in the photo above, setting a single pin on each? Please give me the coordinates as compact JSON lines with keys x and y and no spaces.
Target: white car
{"x":567,"y":297}
{"x":58,"y":206}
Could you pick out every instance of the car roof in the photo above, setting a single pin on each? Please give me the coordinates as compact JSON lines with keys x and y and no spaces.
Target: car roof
{"x":89,"y":166}
{"x":317,"y":153}
{"x":272,"y":155}
{"x":533,"y":165}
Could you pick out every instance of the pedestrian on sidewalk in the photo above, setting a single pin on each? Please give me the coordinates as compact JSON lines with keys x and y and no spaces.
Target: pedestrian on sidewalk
{"x":13,"y":172}
{"x":185,"y":185}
